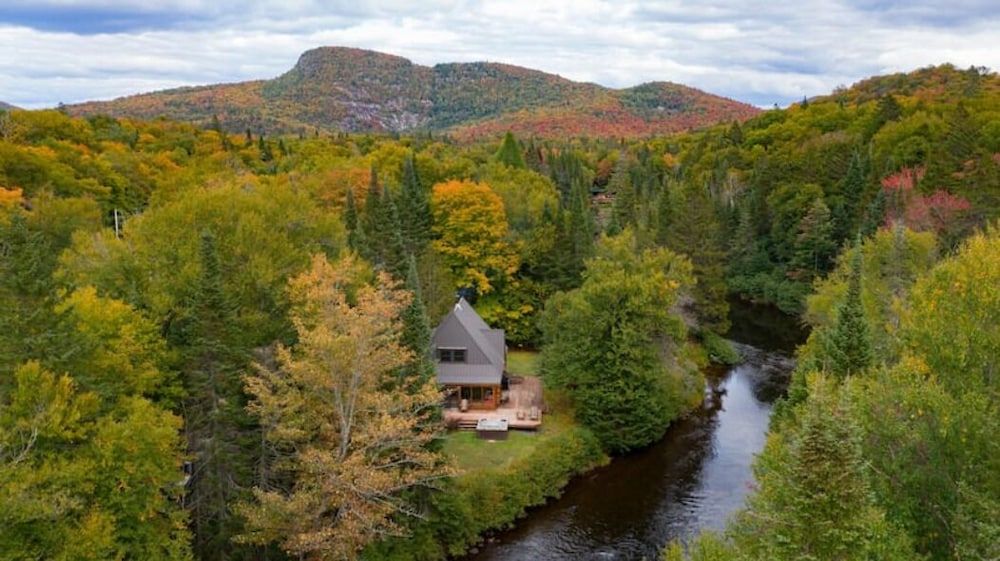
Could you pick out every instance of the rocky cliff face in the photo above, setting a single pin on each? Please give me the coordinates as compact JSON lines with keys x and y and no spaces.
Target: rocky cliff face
{"x":345,"y":89}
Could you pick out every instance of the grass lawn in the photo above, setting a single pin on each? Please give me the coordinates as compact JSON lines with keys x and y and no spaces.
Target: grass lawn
{"x":523,"y":363}
{"x":469,"y":453}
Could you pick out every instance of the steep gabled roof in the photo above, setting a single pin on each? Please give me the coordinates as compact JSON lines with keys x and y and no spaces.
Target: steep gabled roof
{"x":489,"y":342}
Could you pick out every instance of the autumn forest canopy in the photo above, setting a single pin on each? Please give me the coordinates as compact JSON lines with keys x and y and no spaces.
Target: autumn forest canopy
{"x":215,"y":328}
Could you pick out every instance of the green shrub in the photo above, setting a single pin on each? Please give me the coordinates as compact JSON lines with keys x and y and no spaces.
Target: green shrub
{"x":719,"y":350}
{"x":492,"y":499}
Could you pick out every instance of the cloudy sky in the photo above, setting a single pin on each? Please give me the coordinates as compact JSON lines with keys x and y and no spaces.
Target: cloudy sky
{"x":766,"y":52}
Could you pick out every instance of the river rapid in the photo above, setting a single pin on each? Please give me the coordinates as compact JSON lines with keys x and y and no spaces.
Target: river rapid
{"x":694,"y":478}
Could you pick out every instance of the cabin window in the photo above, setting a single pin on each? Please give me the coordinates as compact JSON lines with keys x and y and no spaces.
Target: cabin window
{"x":474,"y":393}
{"x":451,"y":355}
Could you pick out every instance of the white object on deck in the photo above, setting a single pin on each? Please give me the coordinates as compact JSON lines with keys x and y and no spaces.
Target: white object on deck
{"x":492,"y":424}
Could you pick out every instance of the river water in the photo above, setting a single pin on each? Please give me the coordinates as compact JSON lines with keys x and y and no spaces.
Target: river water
{"x":695,"y":478}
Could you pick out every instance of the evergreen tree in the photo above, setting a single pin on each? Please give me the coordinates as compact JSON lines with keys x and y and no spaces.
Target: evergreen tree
{"x":580,"y":231}
{"x":848,"y":345}
{"x":735,"y":134}
{"x":814,"y":246}
{"x":510,"y":152}
{"x":382,"y":229}
{"x":814,"y":499}
{"x":550,"y":266}
{"x":356,"y":238}
{"x":744,"y":237}
{"x":697,"y":232}
{"x":414,"y":209}
{"x":949,"y":157}
{"x":568,"y":172}
{"x":623,"y":210}
{"x":26,"y":320}
{"x":874,"y":214}
{"x":350,"y":213}
{"x":533,"y":158}
{"x":664,"y":213}
{"x":266,"y":154}
{"x":852,"y":189}
{"x":394,"y":254}
{"x":216,"y":423}
{"x":888,"y":109}
{"x":373,"y":208}
{"x":416,"y":334}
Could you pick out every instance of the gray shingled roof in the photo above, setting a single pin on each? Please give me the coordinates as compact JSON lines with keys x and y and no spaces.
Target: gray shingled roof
{"x":491,"y":342}
{"x":453,"y":373}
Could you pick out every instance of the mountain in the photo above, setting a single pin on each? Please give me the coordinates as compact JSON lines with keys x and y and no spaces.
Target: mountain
{"x":4,"y":106}
{"x":346,"y":89}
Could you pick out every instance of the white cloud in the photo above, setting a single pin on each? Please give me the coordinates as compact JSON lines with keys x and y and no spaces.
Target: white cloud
{"x":758,"y":52}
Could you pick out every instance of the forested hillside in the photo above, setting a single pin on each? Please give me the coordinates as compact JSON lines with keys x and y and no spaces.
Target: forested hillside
{"x":792,"y":187}
{"x":215,"y":345}
{"x":334,"y":89}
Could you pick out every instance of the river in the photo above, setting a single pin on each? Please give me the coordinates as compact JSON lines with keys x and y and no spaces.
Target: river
{"x":695,"y":478}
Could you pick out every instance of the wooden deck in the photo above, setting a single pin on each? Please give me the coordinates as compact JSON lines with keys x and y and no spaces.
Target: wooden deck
{"x":525,"y":392}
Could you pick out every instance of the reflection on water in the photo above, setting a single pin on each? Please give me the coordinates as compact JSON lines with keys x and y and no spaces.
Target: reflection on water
{"x":694,"y":478}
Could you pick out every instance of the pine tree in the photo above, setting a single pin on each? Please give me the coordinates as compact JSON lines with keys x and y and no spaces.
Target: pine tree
{"x":814,"y":246}
{"x":394,"y":254}
{"x":623,"y":210}
{"x":697,"y":232}
{"x":848,"y":345}
{"x":380,"y":226}
{"x":852,"y":188}
{"x":815,"y":500}
{"x":874,"y":214}
{"x":888,"y":109}
{"x":416,"y":335}
{"x":735,"y":134}
{"x":215,"y":419}
{"x":414,"y":210}
{"x":510,"y":152}
{"x":350,"y":212}
{"x":533,"y":158}
{"x":25,"y":293}
{"x":266,"y":154}
{"x":949,"y":157}
{"x":357,"y":240}
{"x":580,"y":230}
{"x":373,"y":208}
{"x":664,"y":214}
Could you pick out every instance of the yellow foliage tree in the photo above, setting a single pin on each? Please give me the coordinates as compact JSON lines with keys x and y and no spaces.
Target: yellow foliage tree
{"x":10,"y":198}
{"x":355,"y":442}
{"x":470,"y":225}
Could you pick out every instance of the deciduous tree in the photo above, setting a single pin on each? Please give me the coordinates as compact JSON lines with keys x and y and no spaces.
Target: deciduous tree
{"x":614,"y":345}
{"x":471,"y":228}
{"x":354,"y":446}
